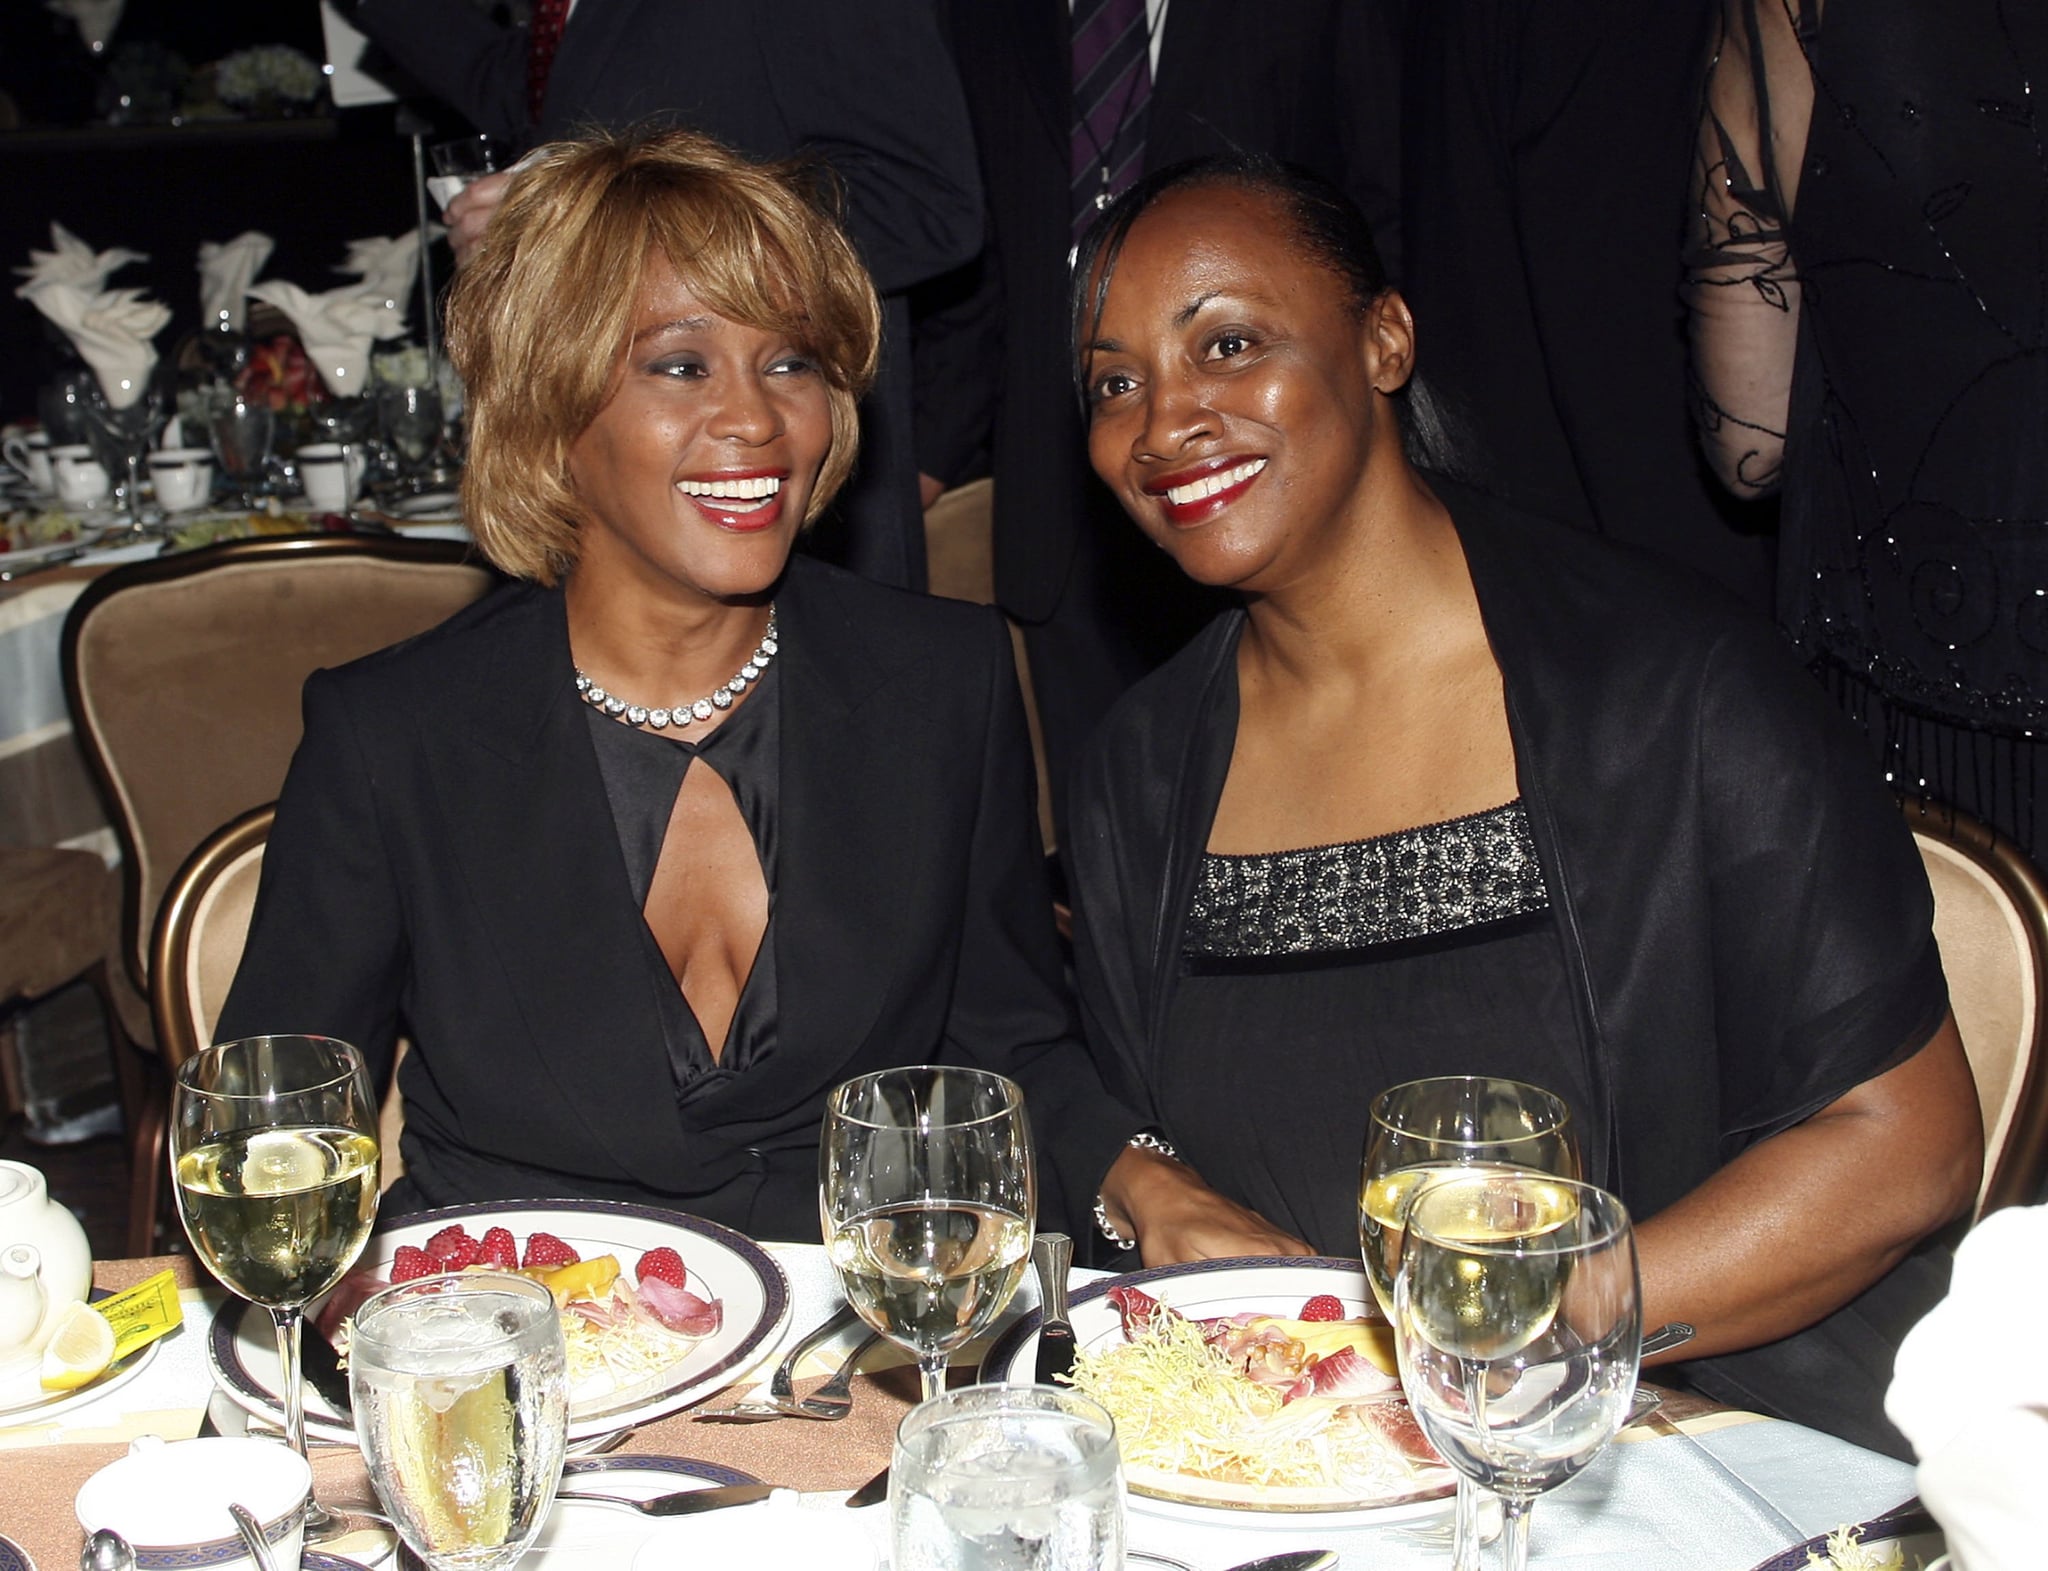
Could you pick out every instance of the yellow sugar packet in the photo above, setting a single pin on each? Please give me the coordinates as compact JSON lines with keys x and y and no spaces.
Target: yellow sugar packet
{"x":143,"y":1313}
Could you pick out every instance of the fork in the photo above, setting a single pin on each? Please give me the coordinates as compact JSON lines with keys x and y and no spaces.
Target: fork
{"x":781,"y":1401}
{"x":834,"y":1399}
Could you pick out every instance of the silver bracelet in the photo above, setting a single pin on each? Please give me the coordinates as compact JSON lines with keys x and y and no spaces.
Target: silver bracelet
{"x":1143,"y":1140}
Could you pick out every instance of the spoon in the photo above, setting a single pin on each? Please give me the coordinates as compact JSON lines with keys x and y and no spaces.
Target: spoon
{"x":106,"y":1550}
{"x":252,"y":1535}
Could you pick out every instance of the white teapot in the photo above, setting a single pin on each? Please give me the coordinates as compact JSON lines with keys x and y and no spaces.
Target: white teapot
{"x":45,"y":1264}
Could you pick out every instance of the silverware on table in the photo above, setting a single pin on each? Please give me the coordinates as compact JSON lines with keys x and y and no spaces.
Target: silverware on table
{"x":1052,"y":1256}
{"x":686,"y":1503}
{"x":781,"y":1402}
{"x":1292,"y":1560}
{"x":834,"y":1399}
{"x":106,"y":1550}
{"x":872,"y":1493}
{"x":252,"y":1535}
{"x":1662,"y":1340}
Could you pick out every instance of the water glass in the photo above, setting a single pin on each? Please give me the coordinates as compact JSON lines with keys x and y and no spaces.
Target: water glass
{"x":1517,"y":1312}
{"x":460,"y":161}
{"x":460,"y":1390}
{"x":1006,"y":1478}
{"x":244,"y":432}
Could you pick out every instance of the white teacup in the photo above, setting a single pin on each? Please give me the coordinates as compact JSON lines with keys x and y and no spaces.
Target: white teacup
{"x":182,"y":477}
{"x":331,"y":473}
{"x":29,"y":452}
{"x":171,"y":1501}
{"x":76,"y":476}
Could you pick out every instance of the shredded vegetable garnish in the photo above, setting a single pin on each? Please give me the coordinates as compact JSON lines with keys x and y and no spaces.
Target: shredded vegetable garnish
{"x":1181,"y":1406}
{"x":605,"y":1359}
{"x":1847,"y":1553}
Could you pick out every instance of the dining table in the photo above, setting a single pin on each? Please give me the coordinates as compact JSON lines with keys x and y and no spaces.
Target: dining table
{"x":1698,"y":1488}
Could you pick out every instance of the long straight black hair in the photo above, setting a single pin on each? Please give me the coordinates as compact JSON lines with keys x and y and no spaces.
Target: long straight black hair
{"x":1329,"y":229}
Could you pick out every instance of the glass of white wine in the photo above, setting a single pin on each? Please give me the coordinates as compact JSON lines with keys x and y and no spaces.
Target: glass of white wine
{"x":273,"y":1146}
{"x":460,"y":1389}
{"x":927,"y":1196}
{"x":1422,"y":1131}
{"x":1517,"y":1312}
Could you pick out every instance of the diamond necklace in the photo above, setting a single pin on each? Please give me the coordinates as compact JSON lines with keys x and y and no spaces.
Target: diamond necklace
{"x":713,"y":702}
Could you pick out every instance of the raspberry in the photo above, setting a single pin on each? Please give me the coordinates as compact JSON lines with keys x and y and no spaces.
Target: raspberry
{"x":1324,"y":1306}
{"x":544,"y":1252}
{"x":452,"y":1248}
{"x":498,"y":1251}
{"x":665,"y":1264}
{"x":411,"y":1261}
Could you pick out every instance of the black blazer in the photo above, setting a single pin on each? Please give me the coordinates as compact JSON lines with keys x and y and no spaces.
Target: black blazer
{"x":445,"y":863}
{"x":864,"y":85}
{"x":1307,"y":81}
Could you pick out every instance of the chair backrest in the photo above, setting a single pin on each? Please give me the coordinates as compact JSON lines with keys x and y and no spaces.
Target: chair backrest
{"x":197,"y":946}
{"x":201,"y":929}
{"x":959,"y":546}
{"x":184,"y":674}
{"x":1991,"y":920}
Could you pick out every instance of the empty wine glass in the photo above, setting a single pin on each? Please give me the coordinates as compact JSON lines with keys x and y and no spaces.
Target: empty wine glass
{"x":411,"y":418}
{"x":1517,"y":1313}
{"x":120,"y":439}
{"x":928,"y":1196}
{"x":273,"y":1147}
{"x":1423,"y":1130}
{"x":244,"y":431}
{"x":460,"y":1390}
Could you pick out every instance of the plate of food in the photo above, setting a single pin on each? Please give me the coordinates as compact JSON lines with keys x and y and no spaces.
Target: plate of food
{"x":657,"y":1307}
{"x":1246,"y":1387}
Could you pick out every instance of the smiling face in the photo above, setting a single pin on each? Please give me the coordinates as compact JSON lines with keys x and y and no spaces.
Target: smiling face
{"x":1231,"y":383}
{"x":700,"y":468}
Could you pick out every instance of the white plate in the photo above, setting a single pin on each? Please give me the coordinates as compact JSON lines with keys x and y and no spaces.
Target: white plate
{"x":22,"y":556}
{"x":427,"y":505}
{"x":13,"y":1557}
{"x":721,"y":1264}
{"x":1908,"y":1527}
{"x":47,"y":1405}
{"x":1207,"y":1290}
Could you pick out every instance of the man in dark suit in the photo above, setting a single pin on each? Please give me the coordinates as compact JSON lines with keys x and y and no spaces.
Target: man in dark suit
{"x":1307,"y":81}
{"x":865,"y":87}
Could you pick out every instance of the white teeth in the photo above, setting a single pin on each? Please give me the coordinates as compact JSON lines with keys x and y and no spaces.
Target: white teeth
{"x":758,"y":489}
{"x":1223,"y":480}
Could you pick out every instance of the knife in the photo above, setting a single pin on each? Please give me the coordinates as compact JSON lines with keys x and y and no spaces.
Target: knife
{"x":1052,"y":1254}
{"x":686,"y":1503}
{"x":321,"y":1367}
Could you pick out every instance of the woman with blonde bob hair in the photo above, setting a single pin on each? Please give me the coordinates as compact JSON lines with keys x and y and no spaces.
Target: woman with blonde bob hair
{"x":649,"y":849}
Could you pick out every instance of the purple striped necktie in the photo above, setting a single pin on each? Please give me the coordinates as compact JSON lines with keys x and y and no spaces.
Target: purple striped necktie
{"x":1112,"y":87}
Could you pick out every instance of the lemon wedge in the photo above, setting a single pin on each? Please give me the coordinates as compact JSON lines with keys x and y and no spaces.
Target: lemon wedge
{"x":79,"y":1349}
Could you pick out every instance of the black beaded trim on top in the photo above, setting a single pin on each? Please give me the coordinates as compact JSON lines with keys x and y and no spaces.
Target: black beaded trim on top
{"x":1391,"y":889}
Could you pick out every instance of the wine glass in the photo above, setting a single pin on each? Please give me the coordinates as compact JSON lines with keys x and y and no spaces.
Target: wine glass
{"x":244,"y":431}
{"x":1517,"y":1312}
{"x":273,"y":1147}
{"x":1424,"y":1129}
{"x":927,"y":1197}
{"x":120,"y":439}
{"x":460,"y":1390}
{"x":411,"y":418}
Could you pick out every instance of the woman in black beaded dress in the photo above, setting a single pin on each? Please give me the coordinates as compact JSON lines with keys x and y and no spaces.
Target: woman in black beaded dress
{"x":1871,"y":341}
{"x":1461,"y":792}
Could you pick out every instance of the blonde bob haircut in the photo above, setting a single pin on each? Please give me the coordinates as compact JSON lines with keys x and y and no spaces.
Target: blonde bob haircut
{"x":539,"y":320}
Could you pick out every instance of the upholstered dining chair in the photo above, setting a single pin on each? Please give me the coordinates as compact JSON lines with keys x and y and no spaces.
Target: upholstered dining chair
{"x":201,"y":930}
{"x":1991,"y":920}
{"x":183,"y":675}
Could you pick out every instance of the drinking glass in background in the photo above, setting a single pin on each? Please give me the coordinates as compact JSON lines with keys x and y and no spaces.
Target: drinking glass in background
{"x":411,"y":418}
{"x":458,"y":162}
{"x":273,"y":1147}
{"x":121,"y":439}
{"x":460,"y":1390}
{"x":1006,"y":1478}
{"x":243,"y":433}
{"x":928,"y":1196}
{"x":1517,"y":1310}
{"x":1418,"y":1133}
